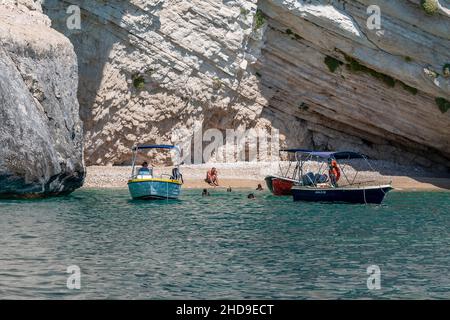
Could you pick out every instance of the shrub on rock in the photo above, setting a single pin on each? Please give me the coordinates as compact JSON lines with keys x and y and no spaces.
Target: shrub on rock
{"x":430,"y":6}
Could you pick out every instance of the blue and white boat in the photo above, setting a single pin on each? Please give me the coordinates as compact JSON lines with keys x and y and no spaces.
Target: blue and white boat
{"x":145,"y":185}
{"x":319,"y":187}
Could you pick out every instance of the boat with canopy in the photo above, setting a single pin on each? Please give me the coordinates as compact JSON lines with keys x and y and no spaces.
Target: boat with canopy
{"x":145,"y":184}
{"x":282,"y":183}
{"x":320,"y":187}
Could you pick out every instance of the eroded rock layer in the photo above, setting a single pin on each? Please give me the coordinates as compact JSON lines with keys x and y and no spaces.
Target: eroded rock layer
{"x":153,"y":71}
{"x":40,"y":129}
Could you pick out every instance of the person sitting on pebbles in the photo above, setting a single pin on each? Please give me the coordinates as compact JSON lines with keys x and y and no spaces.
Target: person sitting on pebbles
{"x":212,"y":177}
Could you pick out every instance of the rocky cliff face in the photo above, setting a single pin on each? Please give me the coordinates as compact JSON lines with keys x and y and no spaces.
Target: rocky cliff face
{"x":40,"y":129}
{"x":151,"y":71}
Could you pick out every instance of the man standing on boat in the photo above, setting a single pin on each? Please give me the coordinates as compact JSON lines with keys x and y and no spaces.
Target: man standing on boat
{"x":176,"y":175}
{"x":334,"y":172}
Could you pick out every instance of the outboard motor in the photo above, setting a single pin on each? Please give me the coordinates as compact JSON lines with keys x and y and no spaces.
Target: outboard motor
{"x":176,"y":174}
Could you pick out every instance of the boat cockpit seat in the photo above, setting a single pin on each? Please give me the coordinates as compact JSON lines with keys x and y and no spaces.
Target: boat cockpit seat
{"x":310,"y":179}
{"x":145,"y":173}
{"x":321,"y":178}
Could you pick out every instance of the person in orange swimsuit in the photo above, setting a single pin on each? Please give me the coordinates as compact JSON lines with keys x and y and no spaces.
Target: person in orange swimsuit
{"x":334,"y":172}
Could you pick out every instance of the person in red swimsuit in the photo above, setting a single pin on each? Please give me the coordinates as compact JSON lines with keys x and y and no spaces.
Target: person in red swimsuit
{"x":212,"y":177}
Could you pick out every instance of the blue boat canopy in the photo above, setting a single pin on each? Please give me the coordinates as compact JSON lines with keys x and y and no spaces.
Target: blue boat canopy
{"x":295,"y":150}
{"x":338,"y":155}
{"x":155,"y":146}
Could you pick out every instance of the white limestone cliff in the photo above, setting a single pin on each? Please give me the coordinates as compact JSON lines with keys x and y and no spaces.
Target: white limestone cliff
{"x":220,"y":64}
{"x":41,"y":136}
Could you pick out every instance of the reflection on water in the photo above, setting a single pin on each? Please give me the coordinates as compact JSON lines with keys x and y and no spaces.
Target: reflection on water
{"x":224,"y":246}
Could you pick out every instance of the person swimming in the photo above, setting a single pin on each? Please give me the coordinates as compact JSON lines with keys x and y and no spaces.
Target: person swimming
{"x":251,"y":196}
{"x":205,"y":193}
{"x":259,"y":188}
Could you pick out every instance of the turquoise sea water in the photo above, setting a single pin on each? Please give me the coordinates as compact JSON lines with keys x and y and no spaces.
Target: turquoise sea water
{"x":224,"y":247}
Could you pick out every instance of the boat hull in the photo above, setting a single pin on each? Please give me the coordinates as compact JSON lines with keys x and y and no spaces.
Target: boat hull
{"x":282,"y":187}
{"x":279,"y":186}
{"x":362,"y":195}
{"x":154,"y":189}
{"x":269,"y":183}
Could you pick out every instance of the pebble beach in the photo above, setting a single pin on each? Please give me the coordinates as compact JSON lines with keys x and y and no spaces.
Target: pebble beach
{"x":249,"y":175}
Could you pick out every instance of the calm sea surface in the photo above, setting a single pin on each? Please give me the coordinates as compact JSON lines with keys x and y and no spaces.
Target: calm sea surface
{"x":224,"y":246}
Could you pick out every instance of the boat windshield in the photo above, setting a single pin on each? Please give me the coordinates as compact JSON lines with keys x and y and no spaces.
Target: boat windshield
{"x":159,"y":161}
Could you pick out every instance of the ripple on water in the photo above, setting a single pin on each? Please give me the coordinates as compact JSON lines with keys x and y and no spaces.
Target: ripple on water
{"x":224,"y":246}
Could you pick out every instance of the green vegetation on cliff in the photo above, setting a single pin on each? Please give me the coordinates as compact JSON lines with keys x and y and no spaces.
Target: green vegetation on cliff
{"x":354,"y":66}
{"x":217,"y":83}
{"x":259,"y":19}
{"x":430,"y":6}
{"x":443,"y":104}
{"x":332,"y":63}
{"x":446,"y":70}
{"x":138,"y":81}
{"x":409,"y":88}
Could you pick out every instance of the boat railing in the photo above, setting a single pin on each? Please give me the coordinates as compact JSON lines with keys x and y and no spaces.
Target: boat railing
{"x":360,"y":183}
{"x":153,"y":176}
{"x":366,"y":183}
